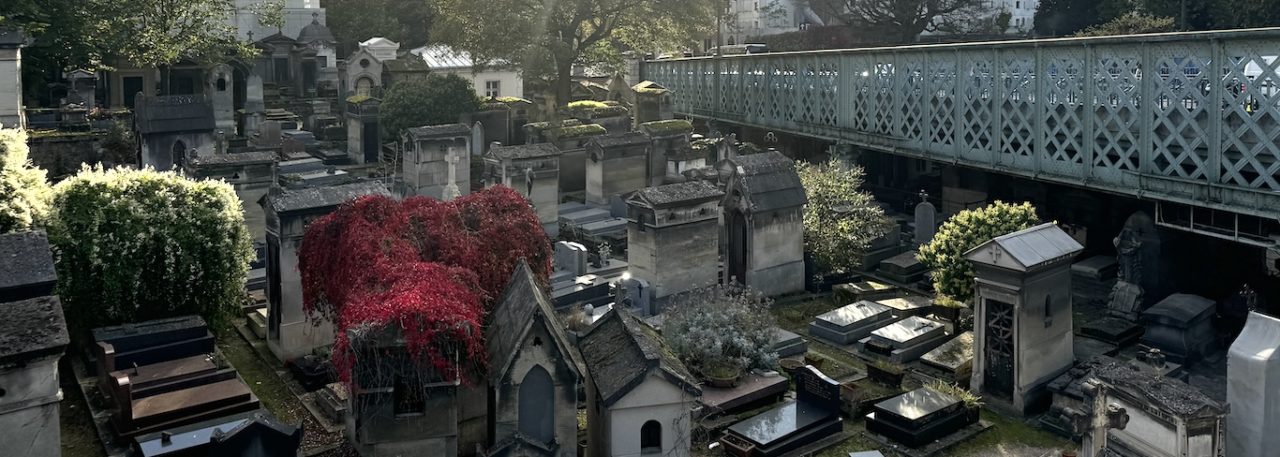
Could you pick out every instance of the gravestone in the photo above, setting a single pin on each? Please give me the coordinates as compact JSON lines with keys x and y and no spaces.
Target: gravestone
{"x":954,"y":357}
{"x":1253,"y":388}
{"x":920,"y":417}
{"x":787,"y":344}
{"x":270,"y":134}
{"x":571,"y":257}
{"x":813,"y":415}
{"x":911,"y":305}
{"x":635,"y":294}
{"x":926,"y":221}
{"x":851,"y":323}
{"x":903,"y":268}
{"x":1181,"y":326}
{"x":253,"y":106}
{"x":905,"y":340}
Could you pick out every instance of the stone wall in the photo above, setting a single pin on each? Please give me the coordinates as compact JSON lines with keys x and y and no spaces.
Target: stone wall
{"x":674,"y":259}
{"x":63,"y":154}
{"x":777,"y":253}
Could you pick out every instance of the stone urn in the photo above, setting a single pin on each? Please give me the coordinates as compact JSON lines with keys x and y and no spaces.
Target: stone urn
{"x":722,"y":375}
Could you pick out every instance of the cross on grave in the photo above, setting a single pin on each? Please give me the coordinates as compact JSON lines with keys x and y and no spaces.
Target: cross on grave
{"x":451,"y":189}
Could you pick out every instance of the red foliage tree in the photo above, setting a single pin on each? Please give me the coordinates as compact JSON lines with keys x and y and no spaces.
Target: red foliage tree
{"x":431,"y":269}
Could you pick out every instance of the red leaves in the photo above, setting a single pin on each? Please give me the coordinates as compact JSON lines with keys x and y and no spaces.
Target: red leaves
{"x":433,"y":269}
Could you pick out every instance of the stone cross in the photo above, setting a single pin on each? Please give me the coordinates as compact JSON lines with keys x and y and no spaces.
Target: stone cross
{"x":451,"y":188}
{"x":926,"y":220}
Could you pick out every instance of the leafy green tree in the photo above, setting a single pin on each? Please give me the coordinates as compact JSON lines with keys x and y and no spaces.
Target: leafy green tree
{"x":951,"y":273}
{"x":1131,"y":23}
{"x":407,"y":22}
{"x":143,"y":244}
{"x":1064,"y":17}
{"x":546,"y":38}
{"x":840,"y":220}
{"x":901,"y":21}
{"x":428,"y":101}
{"x":24,"y":194}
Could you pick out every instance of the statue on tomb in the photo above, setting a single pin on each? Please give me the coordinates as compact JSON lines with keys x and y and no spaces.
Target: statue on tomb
{"x":528,"y":183}
{"x":1128,"y":252}
{"x":451,"y":190}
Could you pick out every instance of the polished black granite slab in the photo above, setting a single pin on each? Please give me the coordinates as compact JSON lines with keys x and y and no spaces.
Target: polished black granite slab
{"x":780,"y":422}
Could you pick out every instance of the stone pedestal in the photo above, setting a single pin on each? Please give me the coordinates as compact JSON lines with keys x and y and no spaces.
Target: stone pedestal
{"x":905,"y":340}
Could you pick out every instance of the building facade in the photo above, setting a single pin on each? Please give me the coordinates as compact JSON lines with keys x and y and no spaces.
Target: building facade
{"x":490,"y":81}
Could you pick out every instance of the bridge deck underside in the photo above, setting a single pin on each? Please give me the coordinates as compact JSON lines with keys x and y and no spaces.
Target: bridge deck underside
{"x":1191,"y":118}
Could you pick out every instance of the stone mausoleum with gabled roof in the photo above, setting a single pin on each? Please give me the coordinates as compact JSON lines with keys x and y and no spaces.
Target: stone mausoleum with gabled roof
{"x":673,"y":236}
{"x":764,"y":223}
{"x":639,"y":394}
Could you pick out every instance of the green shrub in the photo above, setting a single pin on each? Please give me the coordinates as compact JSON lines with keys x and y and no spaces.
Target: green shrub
{"x":840,"y":220}
{"x":718,"y":330}
{"x":141,"y":244}
{"x":944,"y":255}
{"x":24,"y":193}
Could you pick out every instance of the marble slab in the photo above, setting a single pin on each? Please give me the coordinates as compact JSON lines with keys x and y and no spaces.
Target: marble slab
{"x":914,"y":305}
{"x":953,"y":356}
{"x":853,"y":314}
{"x":909,"y":331}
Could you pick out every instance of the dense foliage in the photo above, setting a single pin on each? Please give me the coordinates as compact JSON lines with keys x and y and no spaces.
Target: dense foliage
{"x":407,"y":22}
{"x":1129,"y":24}
{"x":951,"y":273}
{"x":841,"y":220}
{"x":24,"y":194}
{"x":720,"y":330}
{"x":546,"y":39}
{"x":433,"y":100}
{"x":142,"y":244}
{"x":429,"y":269}
{"x":901,"y":21}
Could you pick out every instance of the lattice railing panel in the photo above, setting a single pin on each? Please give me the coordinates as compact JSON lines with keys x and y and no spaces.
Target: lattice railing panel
{"x":884,"y":96}
{"x":1063,"y":117}
{"x":911,"y":88}
{"x":755,"y":83}
{"x":783,"y":98}
{"x":977,"y":98}
{"x":941,"y":103}
{"x":1017,"y":111}
{"x":1182,"y":100}
{"x":862,"y":93}
{"x":1251,"y":121}
{"x":731,"y":99}
{"x":1116,"y":115}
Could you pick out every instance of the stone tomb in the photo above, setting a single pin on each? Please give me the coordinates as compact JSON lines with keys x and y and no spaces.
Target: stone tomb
{"x":672,"y":236}
{"x":954,"y":357}
{"x":1181,"y":326}
{"x":920,"y":417}
{"x":912,"y":305}
{"x":905,"y":340}
{"x":616,"y":165}
{"x":149,"y":342}
{"x":533,"y":171}
{"x":813,"y":415}
{"x":244,"y":434}
{"x":787,"y":344}
{"x":864,"y":290}
{"x":903,"y":268}
{"x":851,"y":323}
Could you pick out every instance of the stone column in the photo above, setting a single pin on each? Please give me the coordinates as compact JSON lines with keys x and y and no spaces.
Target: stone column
{"x":451,"y":188}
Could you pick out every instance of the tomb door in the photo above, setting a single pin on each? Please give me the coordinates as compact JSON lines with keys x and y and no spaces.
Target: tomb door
{"x":738,"y":256}
{"x":537,"y":405}
{"x":370,"y":138}
{"x":273,"y":287}
{"x":998,"y":349}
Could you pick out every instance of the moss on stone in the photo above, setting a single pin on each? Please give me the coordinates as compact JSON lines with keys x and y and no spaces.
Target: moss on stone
{"x":512,"y":100}
{"x":577,"y":131}
{"x":355,"y":99}
{"x":668,"y":127}
{"x":540,"y":126}
{"x":609,"y":111}
{"x":586,"y":105}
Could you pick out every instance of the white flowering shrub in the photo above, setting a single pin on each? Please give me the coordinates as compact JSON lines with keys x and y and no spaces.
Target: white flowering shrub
{"x":719,"y":331}
{"x":141,"y":244}
{"x":24,"y":193}
{"x":840,"y":220}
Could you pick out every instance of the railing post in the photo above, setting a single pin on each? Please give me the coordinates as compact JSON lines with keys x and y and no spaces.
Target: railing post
{"x":1148,"y":108}
{"x":1040,"y":104}
{"x":1220,"y":75}
{"x":996,"y":104}
{"x":957,"y":117}
{"x":1090,"y":112}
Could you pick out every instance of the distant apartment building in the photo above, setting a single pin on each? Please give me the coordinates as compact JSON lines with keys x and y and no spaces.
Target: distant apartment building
{"x":498,"y":79}
{"x":745,"y":19}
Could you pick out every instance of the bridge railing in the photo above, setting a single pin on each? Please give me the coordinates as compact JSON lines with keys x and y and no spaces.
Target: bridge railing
{"x":1074,"y":110}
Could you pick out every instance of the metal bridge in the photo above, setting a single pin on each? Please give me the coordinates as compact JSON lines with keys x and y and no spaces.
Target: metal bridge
{"x":1191,"y":118}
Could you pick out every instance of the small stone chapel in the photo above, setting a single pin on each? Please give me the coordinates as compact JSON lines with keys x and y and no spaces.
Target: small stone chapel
{"x":764,"y":224}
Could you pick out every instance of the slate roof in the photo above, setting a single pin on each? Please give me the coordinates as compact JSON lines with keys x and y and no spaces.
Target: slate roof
{"x":30,"y":329}
{"x":441,"y":57}
{"x":320,"y":197}
{"x":523,"y":303}
{"x":12,"y":38}
{"x":769,"y":181}
{"x":525,"y":151}
{"x":685,"y":192}
{"x":620,"y":139}
{"x":431,"y":131}
{"x":620,"y":351}
{"x":26,"y":265}
{"x":173,"y":113}
{"x":1036,"y":245}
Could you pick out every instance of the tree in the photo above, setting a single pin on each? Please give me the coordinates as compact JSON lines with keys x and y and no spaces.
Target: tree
{"x":427,"y":269}
{"x":720,"y":331}
{"x":24,"y":194}
{"x":546,"y":38}
{"x":432,"y":100}
{"x":1129,"y":24}
{"x":1064,"y":17}
{"x":944,"y":255}
{"x":840,"y":220}
{"x":143,"y":244}
{"x":407,"y":22}
{"x":901,"y":21}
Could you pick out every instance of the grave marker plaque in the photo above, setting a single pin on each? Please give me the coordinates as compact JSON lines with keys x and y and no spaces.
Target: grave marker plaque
{"x":816,"y":389}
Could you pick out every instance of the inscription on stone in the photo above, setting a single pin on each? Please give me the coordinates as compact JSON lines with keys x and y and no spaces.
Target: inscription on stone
{"x":816,"y":389}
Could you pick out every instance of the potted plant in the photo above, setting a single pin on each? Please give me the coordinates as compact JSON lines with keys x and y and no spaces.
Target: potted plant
{"x":721,"y":333}
{"x":885,"y":372}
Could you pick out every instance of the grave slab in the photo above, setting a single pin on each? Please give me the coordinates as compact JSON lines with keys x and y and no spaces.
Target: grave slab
{"x":905,"y":340}
{"x":787,"y":343}
{"x":813,"y":415}
{"x":852,"y":322}
{"x":864,"y":290}
{"x":954,"y":357}
{"x":752,"y":391}
{"x":903,"y":268}
{"x":920,"y":417}
{"x":912,"y":305}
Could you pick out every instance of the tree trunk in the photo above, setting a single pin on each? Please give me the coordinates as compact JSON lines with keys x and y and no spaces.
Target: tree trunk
{"x":564,"y":80}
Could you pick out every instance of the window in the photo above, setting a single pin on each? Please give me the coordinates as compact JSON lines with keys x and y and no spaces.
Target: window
{"x":322,"y":61}
{"x":1017,"y":5}
{"x":757,"y":7}
{"x":222,"y":84}
{"x":409,"y":400}
{"x":651,"y":438}
{"x":492,"y":89}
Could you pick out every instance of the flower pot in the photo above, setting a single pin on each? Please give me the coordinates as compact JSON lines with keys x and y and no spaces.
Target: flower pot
{"x":947,"y":313}
{"x":790,"y":366}
{"x":722,"y":377}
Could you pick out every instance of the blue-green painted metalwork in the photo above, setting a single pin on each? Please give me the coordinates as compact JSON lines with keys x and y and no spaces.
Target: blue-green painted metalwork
{"x":1066,"y":110}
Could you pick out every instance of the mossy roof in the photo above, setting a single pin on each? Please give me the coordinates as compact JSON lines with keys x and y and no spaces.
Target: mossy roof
{"x":649,"y":87}
{"x":577,"y":131}
{"x":667,"y":127}
{"x":539,"y":126}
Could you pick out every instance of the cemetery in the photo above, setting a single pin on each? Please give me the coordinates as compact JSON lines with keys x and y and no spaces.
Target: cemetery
{"x":291,"y":253}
